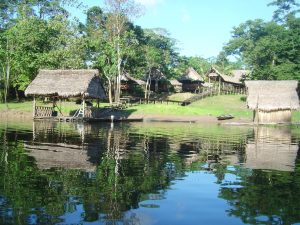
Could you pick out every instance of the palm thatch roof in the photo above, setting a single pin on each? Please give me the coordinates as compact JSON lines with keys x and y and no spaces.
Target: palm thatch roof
{"x":272,"y":95}
{"x":67,"y":83}
{"x":155,"y":74}
{"x":126,"y":77}
{"x":235,"y":79}
{"x":240,"y":74}
{"x":175,"y":83}
{"x":191,"y":75}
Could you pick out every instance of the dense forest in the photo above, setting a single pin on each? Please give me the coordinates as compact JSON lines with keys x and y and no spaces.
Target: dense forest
{"x":42,"y":34}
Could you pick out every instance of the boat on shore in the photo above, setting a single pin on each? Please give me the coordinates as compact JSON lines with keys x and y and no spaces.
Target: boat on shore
{"x":225,"y":117}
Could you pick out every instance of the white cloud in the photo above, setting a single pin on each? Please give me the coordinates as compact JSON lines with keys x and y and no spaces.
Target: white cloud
{"x":149,"y":2}
{"x":185,"y":16}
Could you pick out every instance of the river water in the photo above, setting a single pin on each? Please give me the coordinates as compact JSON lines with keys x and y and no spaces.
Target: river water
{"x":148,"y":173}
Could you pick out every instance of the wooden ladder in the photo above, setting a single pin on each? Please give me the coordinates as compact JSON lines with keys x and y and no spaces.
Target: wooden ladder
{"x":79,"y":112}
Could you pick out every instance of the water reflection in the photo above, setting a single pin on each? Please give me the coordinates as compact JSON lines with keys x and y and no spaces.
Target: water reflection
{"x":271,"y":148}
{"x":65,"y":173}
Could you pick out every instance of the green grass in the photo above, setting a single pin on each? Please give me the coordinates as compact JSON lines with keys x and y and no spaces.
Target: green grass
{"x":210,"y":106}
{"x":181,"y":96}
{"x":296,"y":116}
{"x":214,"y":106}
{"x":22,"y":106}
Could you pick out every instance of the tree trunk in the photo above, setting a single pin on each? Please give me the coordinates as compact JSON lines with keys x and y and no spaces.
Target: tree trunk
{"x":118,"y":83}
{"x":7,"y":74}
{"x":109,"y":89}
{"x":17,"y":94}
{"x":148,"y":84}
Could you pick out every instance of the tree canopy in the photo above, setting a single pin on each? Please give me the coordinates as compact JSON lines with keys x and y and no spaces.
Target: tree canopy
{"x":270,"y":49}
{"x":41,"y":34}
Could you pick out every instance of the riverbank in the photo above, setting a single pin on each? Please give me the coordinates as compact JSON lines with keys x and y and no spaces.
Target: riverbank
{"x":204,"y":111}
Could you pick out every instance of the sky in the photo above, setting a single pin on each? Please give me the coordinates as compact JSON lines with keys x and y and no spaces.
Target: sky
{"x":201,"y":27}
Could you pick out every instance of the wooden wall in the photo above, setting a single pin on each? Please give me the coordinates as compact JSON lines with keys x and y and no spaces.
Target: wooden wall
{"x":264,"y":117}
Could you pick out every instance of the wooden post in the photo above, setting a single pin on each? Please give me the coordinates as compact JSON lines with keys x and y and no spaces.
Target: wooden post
{"x":34,"y":105}
{"x":219,"y":85}
{"x":83,"y":110}
{"x":98,"y":103}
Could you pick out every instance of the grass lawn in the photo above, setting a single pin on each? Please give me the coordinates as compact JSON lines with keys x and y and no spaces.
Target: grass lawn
{"x":217,"y":105}
{"x":211,"y":106}
{"x":26,"y":106}
{"x":22,"y":106}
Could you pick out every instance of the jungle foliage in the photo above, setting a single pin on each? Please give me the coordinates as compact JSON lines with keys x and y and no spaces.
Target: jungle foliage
{"x":42,"y":34}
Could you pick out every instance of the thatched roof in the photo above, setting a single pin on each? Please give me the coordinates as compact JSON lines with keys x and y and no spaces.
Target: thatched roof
{"x":235,"y":79}
{"x":191,"y":75}
{"x":272,"y":95}
{"x":175,"y":83}
{"x":240,"y":74}
{"x":155,"y":74}
{"x":126,"y":77}
{"x":67,"y":83}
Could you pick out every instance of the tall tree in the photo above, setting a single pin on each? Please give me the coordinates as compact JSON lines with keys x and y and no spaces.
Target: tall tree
{"x":285,"y":9}
{"x":119,"y":12}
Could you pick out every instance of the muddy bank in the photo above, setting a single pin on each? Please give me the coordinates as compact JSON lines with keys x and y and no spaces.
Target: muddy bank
{"x":12,"y":114}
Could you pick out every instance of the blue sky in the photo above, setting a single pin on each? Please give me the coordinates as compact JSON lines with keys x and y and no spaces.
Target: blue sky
{"x":201,"y":27}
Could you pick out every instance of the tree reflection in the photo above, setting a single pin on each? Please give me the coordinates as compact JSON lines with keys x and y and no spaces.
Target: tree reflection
{"x":102,"y":173}
{"x":266,"y":196}
{"x":61,"y":169}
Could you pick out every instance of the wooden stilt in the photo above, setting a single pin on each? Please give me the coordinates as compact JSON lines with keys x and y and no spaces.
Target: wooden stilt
{"x":219,"y":85}
{"x":34,"y":107}
{"x":83,"y":105}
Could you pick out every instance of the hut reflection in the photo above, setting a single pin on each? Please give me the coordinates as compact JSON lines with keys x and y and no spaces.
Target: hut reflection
{"x":271,"y":148}
{"x":63,"y":145}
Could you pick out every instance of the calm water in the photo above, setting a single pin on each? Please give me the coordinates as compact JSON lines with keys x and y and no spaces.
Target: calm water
{"x":148,"y":173}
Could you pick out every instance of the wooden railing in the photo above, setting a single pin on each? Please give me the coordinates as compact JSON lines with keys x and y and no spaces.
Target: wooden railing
{"x":212,"y":92}
{"x":43,"y":111}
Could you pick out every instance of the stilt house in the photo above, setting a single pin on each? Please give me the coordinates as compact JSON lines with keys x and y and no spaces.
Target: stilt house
{"x":62,"y":84}
{"x":191,"y":80}
{"x":214,"y":76}
{"x":272,"y":101}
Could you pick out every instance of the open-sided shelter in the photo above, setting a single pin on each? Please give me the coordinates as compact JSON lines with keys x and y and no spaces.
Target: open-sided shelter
{"x":272,"y":101}
{"x":191,"y":80}
{"x":60,"y":84}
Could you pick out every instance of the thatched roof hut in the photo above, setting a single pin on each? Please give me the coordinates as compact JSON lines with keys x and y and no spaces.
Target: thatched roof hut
{"x":191,"y":75}
{"x":191,"y":80}
{"x":176,"y":85}
{"x":67,"y":83}
{"x":214,"y":75}
{"x":158,"y":80}
{"x":272,"y":100}
{"x":240,"y":74}
{"x":127,"y":78}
